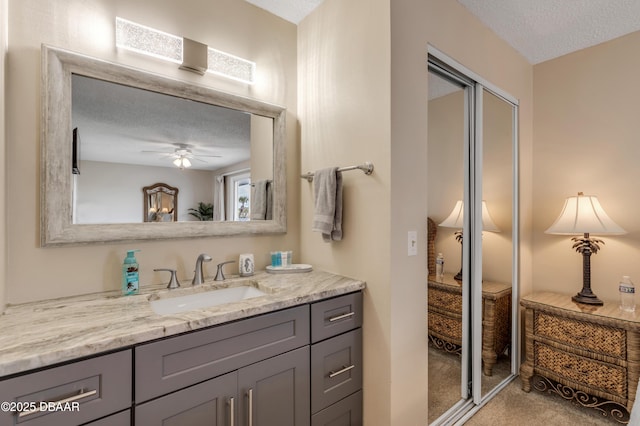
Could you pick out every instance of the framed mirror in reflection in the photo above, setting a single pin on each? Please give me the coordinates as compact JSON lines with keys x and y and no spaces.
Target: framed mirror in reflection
{"x":219,"y":149}
{"x":160,"y":203}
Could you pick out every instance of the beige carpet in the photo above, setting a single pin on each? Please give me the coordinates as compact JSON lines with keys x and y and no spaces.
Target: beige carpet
{"x":511,"y":407}
{"x":444,"y":380}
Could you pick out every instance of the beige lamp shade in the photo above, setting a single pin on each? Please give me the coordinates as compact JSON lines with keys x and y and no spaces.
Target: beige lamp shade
{"x":456,"y":218}
{"x":583,"y":214}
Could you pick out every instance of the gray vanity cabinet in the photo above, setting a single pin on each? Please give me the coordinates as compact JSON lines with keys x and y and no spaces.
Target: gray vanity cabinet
{"x":257,"y":367}
{"x":299,"y":366}
{"x":336,"y":361}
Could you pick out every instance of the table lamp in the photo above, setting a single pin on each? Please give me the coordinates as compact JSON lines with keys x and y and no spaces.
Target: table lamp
{"x":584,"y":215}
{"x":456,"y":220}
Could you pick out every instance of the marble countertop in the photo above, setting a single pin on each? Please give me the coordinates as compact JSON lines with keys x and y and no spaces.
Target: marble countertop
{"x":39,"y":334}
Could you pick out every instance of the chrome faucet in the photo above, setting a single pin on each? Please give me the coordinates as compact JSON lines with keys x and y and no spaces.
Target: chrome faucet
{"x":220,"y":273}
{"x":198,"y":277}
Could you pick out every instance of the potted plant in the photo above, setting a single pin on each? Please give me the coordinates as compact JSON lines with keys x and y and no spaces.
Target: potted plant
{"x":203,"y":212}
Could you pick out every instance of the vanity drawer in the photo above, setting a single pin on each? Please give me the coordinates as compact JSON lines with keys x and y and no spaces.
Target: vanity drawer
{"x":347,"y":412}
{"x":336,"y":369}
{"x":334,"y":316}
{"x":589,"y":373}
{"x":171,"y":364}
{"x":93,"y":388}
{"x":585,"y":335}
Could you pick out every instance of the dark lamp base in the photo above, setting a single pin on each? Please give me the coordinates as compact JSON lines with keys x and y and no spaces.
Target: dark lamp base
{"x":588,"y":299}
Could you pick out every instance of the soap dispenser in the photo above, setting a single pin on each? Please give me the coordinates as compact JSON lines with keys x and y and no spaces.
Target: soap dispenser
{"x":130,"y":277}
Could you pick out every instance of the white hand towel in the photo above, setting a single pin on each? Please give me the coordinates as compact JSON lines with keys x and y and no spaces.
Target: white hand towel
{"x":327,"y":217}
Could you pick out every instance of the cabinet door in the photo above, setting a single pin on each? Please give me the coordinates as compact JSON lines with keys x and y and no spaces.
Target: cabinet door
{"x":120,"y":419}
{"x":275,"y":392}
{"x":211,"y":403}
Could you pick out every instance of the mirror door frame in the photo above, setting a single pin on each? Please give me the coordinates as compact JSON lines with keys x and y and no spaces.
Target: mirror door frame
{"x":472,"y":251}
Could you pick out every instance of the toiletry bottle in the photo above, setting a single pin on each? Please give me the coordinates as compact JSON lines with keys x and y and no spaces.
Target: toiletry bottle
{"x":627,"y":294}
{"x":130,"y":277}
{"x":439,"y":266}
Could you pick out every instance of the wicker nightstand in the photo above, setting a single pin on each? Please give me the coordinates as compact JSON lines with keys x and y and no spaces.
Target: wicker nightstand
{"x":589,"y":354}
{"x":445,"y":318}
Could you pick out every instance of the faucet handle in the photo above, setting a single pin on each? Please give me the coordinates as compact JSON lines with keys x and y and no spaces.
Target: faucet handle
{"x":173,"y":282}
{"x":220,"y":273}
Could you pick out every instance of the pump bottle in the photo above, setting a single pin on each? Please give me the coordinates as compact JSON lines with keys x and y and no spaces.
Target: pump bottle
{"x":130,"y":277}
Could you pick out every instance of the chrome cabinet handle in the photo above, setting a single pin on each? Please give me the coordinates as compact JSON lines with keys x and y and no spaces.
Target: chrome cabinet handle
{"x":333,"y":374}
{"x":232,"y":410}
{"x":343,"y":316}
{"x":73,"y":398}
{"x":250,"y":395}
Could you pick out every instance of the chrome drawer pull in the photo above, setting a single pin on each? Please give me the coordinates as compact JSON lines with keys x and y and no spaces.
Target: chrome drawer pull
{"x":231,"y":411}
{"x":333,"y":374}
{"x":343,"y":316}
{"x":250,"y":395}
{"x":73,"y":398}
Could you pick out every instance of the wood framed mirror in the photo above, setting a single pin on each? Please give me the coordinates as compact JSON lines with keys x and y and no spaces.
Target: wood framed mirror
{"x":60,"y":224}
{"x":160,"y":203}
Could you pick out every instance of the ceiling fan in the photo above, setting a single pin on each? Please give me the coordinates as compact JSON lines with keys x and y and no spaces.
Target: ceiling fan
{"x":183,"y":155}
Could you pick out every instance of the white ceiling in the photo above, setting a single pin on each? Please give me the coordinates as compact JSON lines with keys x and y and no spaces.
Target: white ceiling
{"x":545,"y":29}
{"x":539,"y":29}
{"x":290,"y":10}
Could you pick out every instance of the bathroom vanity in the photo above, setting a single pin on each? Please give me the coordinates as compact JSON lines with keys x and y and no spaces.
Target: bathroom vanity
{"x":290,"y":357}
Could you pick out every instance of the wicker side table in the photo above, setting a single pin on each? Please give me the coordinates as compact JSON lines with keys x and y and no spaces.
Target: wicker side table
{"x":589,"y":354}
{"x":445,"y":317}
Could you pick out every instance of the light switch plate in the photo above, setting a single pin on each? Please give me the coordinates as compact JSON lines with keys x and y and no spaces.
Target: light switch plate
{"x":412,"y":249}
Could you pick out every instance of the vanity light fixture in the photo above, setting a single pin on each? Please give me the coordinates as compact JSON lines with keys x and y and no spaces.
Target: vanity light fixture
{"x":584,"y":215}
{"x":191,"y":55}
{"x":456,"y":220}
{"x":148,"y":41}
{"x":230,"y":66}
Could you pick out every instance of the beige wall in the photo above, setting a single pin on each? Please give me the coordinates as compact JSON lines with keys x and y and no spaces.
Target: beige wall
{"x":363,"y":96}
{"x":343,"y":50}
{"x":86,"y":26}
{"x":586,"y":139}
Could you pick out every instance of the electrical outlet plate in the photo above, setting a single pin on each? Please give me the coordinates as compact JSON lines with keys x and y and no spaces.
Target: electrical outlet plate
{"x":412,"y":240}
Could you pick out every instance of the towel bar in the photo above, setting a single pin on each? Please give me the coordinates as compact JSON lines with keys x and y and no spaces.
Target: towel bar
{"x":367,"y":168}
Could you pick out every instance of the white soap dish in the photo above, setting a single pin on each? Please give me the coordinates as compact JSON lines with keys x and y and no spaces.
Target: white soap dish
{"x":290,"y":269}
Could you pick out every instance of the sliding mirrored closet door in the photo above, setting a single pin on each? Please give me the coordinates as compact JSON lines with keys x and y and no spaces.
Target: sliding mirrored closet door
{"x":449,"y":118}
{"x":472,"y":208}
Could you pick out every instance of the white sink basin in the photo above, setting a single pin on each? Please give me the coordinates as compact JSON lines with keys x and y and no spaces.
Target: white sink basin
{"x":207,"y":299}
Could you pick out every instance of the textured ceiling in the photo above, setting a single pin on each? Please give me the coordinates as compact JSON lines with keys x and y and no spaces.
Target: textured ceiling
{"x":545,"y":29}
{"x":539,"y":29}
{"x":122,"y":124}
{"x":291,"y":10}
